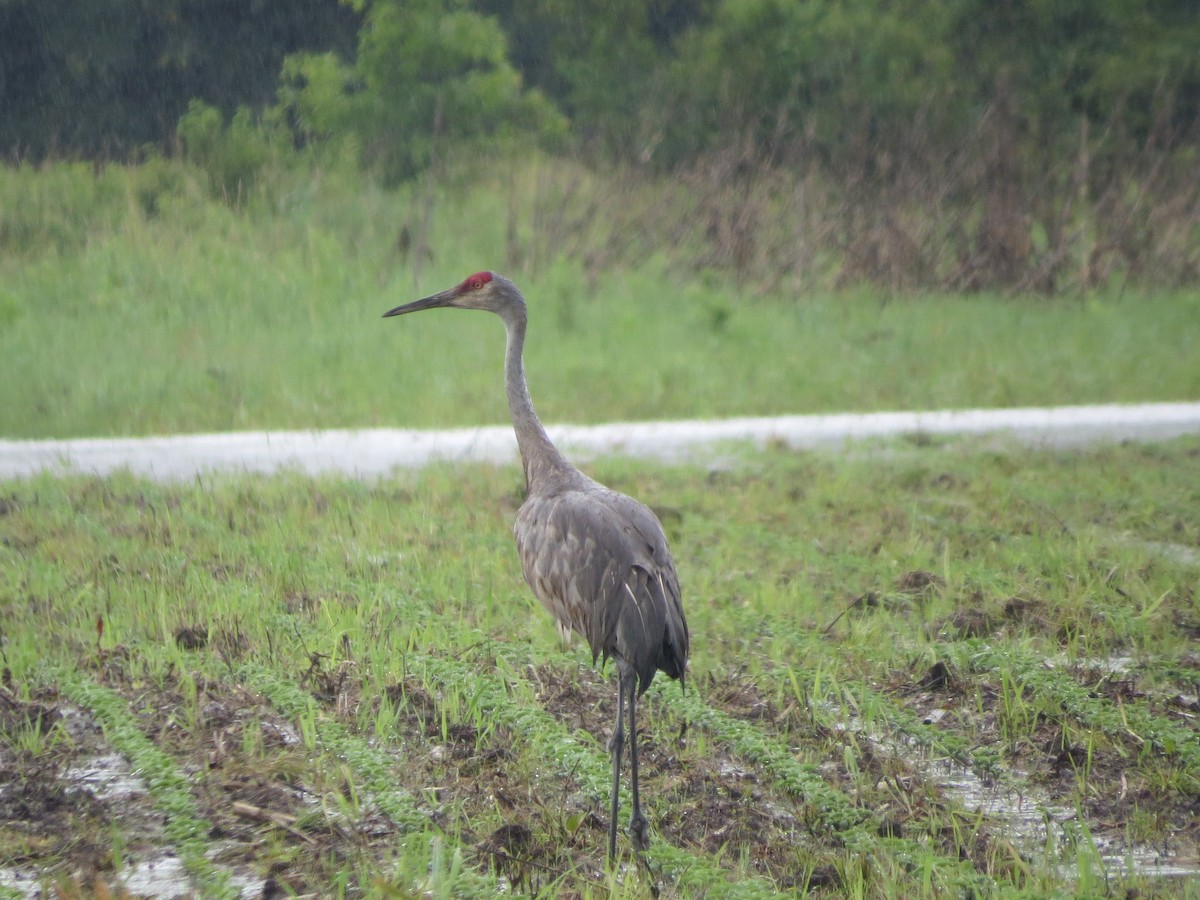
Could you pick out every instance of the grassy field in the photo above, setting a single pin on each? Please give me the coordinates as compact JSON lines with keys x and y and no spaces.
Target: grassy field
{"x":922,"y":670}
{"x":134,"y":304}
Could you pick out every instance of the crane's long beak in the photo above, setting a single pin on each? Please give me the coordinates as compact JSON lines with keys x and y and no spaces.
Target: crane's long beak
{"x":445,"y":298}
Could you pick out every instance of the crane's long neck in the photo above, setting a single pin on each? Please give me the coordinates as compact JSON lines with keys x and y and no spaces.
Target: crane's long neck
{"x":543,"y":461}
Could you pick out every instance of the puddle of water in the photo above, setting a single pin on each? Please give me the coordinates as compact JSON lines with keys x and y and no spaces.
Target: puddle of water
{"x":22,"y":882}
{"x":154,"y":872}
{"x":162,"y":875}
{"x":286,"y":733}
{"x":1025,"y":818}
{"x":1029,"y":819}
{"x":106,"y":777}
{"x":1105,"y":665}
{"x":158,"y":876}
{"x":165,"y":876}
{"x":1145,"y":861}
{"x":1040,"y":828}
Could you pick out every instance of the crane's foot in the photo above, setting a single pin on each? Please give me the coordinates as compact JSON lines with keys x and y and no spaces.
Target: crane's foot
{"x":639,"y":832}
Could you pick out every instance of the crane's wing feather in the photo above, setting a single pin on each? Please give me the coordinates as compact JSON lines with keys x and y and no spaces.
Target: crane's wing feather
{"x":599,"y":562}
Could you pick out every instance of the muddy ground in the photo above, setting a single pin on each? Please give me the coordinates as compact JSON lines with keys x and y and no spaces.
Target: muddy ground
{"x":76,"y":821}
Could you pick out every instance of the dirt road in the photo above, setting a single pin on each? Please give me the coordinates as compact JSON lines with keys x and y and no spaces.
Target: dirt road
{"x":378,"y":451}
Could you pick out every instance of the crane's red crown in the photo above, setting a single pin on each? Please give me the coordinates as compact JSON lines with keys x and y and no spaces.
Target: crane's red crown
{"x":475,"y":282}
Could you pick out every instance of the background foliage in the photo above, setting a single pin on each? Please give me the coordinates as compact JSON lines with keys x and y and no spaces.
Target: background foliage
{"x":962,"y":144}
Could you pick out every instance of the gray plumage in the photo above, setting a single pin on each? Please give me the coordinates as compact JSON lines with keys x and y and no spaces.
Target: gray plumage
{"x":596,"y":559}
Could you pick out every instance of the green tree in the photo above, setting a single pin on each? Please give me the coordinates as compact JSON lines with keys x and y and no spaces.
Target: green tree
{"x":232,"y":154}
{"x":598,"y":60}
{"x":602,"y":55}
{"x":1104,"y":60}
{"x":825,"y":74}
{"x":80,"y":78}
{"x":427,"y":72}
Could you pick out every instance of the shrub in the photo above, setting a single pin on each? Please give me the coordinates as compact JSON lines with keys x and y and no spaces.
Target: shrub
{"x":232,"y":155}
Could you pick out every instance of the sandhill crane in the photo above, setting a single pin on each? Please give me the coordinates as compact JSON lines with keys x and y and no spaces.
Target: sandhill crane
{"x":596,"y":559}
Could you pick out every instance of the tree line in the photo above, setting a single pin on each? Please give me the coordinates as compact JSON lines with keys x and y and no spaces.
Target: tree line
{"x":641,"y":79}
{"x":1036,"y":108}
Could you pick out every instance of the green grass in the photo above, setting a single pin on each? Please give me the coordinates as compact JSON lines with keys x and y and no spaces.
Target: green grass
{"x":133,"y":304}
{"x":387,"y":624}
{"x":444,"y":743}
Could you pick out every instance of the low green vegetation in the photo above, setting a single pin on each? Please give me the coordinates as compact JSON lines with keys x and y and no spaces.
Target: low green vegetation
{"x":131,"y":303}
{"x":918,"y":670}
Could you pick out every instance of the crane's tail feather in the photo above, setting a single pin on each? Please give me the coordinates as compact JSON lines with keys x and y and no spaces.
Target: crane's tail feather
{"x":650,"y":630}
{"x":673,"y":655}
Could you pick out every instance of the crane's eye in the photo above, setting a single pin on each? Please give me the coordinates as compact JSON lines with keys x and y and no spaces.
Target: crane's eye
{"x":476,"y":284}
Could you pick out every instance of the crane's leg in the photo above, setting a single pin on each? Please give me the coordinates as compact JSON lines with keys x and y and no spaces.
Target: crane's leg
{"x":617,"y":746}
{"x":639,"y":828}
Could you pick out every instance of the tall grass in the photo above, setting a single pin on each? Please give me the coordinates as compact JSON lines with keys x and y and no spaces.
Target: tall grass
{"x":134,"y":302}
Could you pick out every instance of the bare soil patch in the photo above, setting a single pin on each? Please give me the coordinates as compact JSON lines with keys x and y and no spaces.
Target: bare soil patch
{"x":72,"y":813}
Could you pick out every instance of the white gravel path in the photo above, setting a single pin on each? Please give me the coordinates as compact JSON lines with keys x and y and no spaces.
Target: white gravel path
{"x":378,"y":451}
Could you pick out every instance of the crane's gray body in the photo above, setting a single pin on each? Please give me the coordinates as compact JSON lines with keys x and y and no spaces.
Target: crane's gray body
{"x":596,"y":559}
{"x":599,"y":562}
